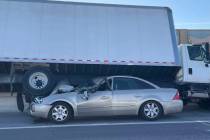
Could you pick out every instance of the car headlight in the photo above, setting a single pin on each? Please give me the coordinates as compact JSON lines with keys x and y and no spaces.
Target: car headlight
{"x":38,"y":100}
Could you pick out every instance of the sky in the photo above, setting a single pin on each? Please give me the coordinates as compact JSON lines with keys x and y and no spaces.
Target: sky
{"x":188,"y":14}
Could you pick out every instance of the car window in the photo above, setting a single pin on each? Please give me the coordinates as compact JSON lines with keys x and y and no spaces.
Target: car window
{"x":121,"y":83}
{"x":137,"y":84}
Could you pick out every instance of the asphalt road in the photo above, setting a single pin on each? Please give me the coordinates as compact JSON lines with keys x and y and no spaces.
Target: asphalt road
{"x":192,"y":124}
{"x":168,"y":131}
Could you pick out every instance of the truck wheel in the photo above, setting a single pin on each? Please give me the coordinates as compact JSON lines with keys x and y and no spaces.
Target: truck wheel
{"x":185,"y":102}
{"x":204,"y":104}
{"x":38,"y":81}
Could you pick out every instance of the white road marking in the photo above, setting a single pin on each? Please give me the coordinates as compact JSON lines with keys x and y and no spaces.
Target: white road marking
{"x":100,"y":124}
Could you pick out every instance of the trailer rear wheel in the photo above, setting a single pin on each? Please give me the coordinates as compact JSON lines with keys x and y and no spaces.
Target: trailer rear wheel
{"x":204,"y":104}
{"x":38,"y":81}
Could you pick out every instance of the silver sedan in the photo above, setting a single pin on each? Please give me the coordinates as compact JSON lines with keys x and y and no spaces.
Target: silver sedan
{"x":115,"y":95}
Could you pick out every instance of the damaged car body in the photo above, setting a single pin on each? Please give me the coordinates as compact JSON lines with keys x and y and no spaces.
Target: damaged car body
{"x":109,"y":96}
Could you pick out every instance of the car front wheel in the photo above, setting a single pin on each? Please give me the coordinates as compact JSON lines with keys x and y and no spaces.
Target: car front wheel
{"x":60,"y":112}
{"x":151,"y":110}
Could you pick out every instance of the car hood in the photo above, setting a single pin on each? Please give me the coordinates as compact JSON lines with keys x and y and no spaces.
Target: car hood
{"x":62,"y":87}
{"x":68,"y":97}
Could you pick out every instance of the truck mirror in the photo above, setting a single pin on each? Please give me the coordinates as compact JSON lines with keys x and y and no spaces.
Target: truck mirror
{"x":207,"y":51}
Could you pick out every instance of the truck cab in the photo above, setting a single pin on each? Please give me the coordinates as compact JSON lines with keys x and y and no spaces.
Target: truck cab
{"x":195,"y":64}
{"x":194,"y":76}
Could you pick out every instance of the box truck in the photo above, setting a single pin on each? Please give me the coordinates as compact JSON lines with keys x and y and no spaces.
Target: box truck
{"x":42,"y":42}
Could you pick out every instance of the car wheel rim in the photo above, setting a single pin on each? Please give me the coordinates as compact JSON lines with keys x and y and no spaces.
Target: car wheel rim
{"x":38,"y":80}
{"x":59,"y":113}
{"x":151,"y":110}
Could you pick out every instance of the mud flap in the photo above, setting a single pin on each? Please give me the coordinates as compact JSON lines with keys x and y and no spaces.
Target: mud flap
{"x":20,"y":102}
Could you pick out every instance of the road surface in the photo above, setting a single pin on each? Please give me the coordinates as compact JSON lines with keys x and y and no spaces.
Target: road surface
{"x":192,"y":124}
{"x":111,"y":131}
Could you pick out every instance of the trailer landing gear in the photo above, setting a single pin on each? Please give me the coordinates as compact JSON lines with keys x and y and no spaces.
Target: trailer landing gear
{"x":20,"y":102}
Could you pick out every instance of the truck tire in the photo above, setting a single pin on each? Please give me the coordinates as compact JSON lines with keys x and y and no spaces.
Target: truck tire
{"x":185,"y":101}
{"x":38,"y":81}
{"x":204,"y":104}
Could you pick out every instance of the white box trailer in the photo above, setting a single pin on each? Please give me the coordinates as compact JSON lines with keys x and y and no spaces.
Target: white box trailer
{"x":83,"y":39}
{"x":44,"y":41}
{"x":78,"y":33}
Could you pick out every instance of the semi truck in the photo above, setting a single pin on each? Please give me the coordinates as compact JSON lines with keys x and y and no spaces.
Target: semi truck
{"x":43,"y":42}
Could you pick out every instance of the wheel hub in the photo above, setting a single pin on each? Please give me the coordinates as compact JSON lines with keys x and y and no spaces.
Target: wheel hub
{"x":59,"y":113}
{"x":151,"y":110}
{"x":38,"y":80}
{"x":39,"y":83}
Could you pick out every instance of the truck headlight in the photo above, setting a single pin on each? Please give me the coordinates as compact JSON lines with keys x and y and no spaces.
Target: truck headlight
{"x":38,"y":100}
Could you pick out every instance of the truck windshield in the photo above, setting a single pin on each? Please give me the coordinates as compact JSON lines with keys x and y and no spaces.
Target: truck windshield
{"x":195,"y":52}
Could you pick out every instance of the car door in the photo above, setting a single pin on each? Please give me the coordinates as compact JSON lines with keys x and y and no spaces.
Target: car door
{"x":126,"y":95}
{"x":98,"y":103}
